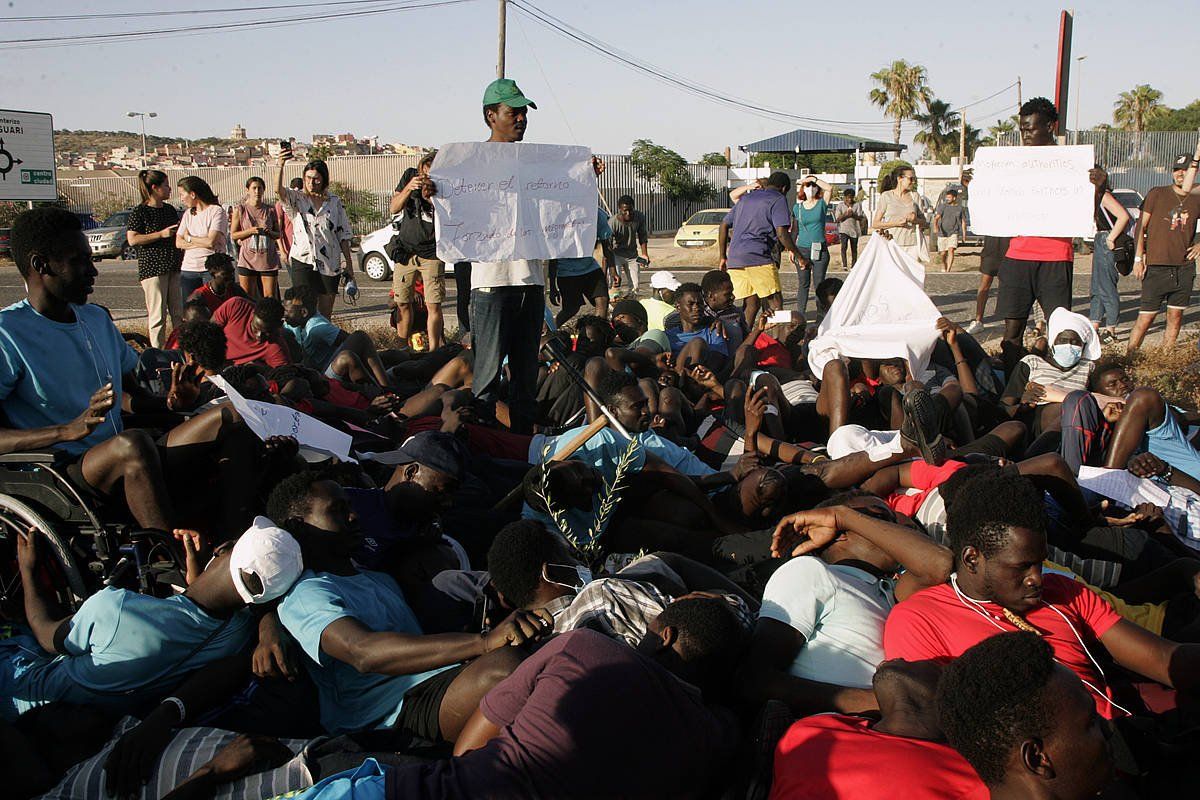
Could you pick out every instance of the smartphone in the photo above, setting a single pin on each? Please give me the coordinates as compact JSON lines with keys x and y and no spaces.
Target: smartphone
{"x":284,"y":144}
{"x":781,"y":317}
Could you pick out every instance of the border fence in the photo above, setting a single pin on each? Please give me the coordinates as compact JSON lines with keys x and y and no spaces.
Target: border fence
{"x":374,"y":178}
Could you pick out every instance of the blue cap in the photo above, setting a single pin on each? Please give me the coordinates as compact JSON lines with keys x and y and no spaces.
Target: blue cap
{"x":436,"y":450}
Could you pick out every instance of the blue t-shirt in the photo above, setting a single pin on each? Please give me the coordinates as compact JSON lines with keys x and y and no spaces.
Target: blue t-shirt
{"x":810,"y":224}
{"x":318,"y":340}
{"x":351,"y":700}
{"x":123,"y":649}
{"x":50,"y":370}
{"x":752,"y":222}
{"x":571,"y":267}
{"x":716,"y":342}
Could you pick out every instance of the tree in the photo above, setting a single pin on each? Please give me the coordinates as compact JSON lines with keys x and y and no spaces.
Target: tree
{"x":975,"y":140}
{"x":362,"y":207}
{"x":657,"y":164}
{"x":835,"y":163}
{"x":1001,"y":132}
{"x":1177,"y":119}
{"x":714,"y":160}
{"x":320,"y":152}
{"x":903,"y":87}
{"x":1139,"y":106}
{"x":939,"y":130}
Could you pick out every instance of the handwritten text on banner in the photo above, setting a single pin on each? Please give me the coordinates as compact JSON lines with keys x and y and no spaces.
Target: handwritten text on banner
{"x":1032,"y":191}
{"x":500,"y":201}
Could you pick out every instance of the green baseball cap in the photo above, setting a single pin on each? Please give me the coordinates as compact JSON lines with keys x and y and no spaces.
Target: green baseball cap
{"x":507,"y":92}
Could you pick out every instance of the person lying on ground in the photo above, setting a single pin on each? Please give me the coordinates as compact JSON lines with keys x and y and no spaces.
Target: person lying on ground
{"x":327,"y":348}
{"x":905,"y":743}
{"x":365,"y":650}
{"x":819,"y":637}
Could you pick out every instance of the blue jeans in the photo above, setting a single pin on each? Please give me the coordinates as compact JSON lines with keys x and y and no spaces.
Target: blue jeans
{"x":507,"y":321}
{"x":811,"y":277}
{"x":191,"y":281}
{"x":1106,"y":302}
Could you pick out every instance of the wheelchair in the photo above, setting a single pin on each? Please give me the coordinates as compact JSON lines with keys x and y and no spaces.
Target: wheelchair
{"x":83,"y":548}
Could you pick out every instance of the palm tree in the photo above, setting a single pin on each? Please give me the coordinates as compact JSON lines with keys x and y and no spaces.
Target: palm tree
{"x":974,"y":139}
{"x":939,"y":129}
{"x":903,"y":87}
{"x":1137,"y":107}
{"x":1000,"y":131}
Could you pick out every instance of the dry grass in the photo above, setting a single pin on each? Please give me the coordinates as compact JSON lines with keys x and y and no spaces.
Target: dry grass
{"x":1174,"y":372}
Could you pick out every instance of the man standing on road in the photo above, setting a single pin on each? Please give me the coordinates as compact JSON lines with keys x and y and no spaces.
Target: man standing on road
{"x":629,"y":233}
{"x":1035,"y":268}
{"x":849,"y":217}
{"x":1165,"y":260}
{"x":758,"y":220}
{"x":950,"y":220}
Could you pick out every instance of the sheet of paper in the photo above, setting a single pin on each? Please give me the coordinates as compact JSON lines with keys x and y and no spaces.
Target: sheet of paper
{"x":271,"y":419}
{"x":501,"y":201}
{"x":1124,"y":487}
{"x":1032,"y":191}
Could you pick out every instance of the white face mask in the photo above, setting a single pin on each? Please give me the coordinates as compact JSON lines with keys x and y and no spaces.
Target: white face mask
{"x":1067,"y":355}
{"x":810,"y":192}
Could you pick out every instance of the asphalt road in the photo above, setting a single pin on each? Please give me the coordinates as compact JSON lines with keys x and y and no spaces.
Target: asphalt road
{"x":954,"y":293}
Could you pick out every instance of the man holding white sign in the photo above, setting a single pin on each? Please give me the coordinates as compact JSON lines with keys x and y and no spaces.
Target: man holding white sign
{"x":509,"y":209}
{"x":1042,"y":202}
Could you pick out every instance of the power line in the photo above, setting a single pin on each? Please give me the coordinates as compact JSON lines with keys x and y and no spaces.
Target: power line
{"x":100,"y":38}
{"x":186,"y":11}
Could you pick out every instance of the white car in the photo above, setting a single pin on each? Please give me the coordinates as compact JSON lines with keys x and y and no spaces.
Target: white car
{"x":374,"y":260}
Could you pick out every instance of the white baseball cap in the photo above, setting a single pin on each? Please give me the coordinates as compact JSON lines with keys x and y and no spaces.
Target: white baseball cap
{"x":664,"y":280}
{"x":270,"y":553}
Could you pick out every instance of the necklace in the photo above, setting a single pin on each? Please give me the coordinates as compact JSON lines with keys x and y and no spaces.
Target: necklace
{"x":1019,"y":621}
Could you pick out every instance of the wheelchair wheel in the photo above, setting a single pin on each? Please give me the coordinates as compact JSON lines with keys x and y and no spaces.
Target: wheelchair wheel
{"x":57,"y":573}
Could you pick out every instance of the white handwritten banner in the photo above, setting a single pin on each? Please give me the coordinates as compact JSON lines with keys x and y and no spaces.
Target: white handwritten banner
{"x":502,"y":201}
{"x":1032,"y":191}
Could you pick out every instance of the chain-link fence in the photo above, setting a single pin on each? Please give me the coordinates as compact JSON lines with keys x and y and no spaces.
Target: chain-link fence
{"x":373,"y":178}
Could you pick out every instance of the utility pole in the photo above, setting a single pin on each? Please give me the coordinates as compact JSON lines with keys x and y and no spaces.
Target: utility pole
{"x":502,"y":33}
{"x":962,"y":142}
{"x":1019,"y":101}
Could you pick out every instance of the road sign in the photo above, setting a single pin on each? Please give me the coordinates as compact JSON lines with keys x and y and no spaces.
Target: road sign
{"x":27,"y":156}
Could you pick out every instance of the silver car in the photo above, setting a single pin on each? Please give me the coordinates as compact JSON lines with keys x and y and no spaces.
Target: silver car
{"x":108,"y":240}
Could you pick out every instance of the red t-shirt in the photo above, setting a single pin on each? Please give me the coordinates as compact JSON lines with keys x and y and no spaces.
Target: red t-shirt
{"x":925,"y":478}
{"x":771,"y":353}
{"x":1041,"y":248}
{"x":935,"y":623}
{"x":241,"y":347}
{"x":840,"y":757}
{"x":214,"y":300}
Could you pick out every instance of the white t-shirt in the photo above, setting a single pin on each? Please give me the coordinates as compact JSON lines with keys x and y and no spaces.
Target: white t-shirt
{"x":839,"y":610}
{"x":491,"y":274}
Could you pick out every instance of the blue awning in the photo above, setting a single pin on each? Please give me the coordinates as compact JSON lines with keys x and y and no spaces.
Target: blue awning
{"x":803,"y":140}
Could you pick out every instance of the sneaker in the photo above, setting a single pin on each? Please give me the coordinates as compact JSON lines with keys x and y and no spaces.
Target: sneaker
{"x":974,"y":327}
{"x":1107,"y":336}
{"x":920,"y":427}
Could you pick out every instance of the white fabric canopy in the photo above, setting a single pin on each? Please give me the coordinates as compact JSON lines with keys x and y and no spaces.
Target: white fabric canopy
{"x":882,"y":312}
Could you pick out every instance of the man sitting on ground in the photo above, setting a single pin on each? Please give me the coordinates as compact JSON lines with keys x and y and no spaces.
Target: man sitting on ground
{"x":327,"y":348}
{"x":222,"y":284}
{"x":253,"y":331}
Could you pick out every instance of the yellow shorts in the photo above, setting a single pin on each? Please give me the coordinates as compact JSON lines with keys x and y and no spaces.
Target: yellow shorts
{"x":762,"y":280}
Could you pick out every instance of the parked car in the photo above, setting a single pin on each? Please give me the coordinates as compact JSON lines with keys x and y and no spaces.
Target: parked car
{"x":6,"y":242}
{"x":108,"y":240}
{"x":700,"y":229}
{"x":373,"y":256}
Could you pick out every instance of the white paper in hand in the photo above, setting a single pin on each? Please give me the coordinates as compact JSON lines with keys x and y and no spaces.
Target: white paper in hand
{"x":271,"y":419}
{"x":1033,"y":191}
{"x":506,"y":201}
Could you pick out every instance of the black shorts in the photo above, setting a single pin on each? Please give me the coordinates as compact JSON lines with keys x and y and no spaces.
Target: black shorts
{"x":250,"y":273}
{"x":307,"y":275}
{"x":423,"y":704}
{"x":1024,"y":282}
{"x":1170,"y":284}
{"x":994,"y":250}
{"x":578,"y":289}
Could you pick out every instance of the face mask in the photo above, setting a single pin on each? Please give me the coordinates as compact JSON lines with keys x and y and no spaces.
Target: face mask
{"x":810,"y":192}
{"x":1067,"y":355}
{"x":569,"y":576}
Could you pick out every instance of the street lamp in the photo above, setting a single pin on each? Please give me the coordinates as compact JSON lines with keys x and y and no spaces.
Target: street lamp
{"x":1078,"y":91}
{"x":143,"y":115}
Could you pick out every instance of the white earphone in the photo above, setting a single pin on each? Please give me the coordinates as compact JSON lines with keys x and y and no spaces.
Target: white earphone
{"x":978,"y":608}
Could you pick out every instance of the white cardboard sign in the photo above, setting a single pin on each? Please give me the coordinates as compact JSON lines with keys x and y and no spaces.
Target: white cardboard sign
{"x":270,"y":419}
{"x":1033,"y":191}
{"x":502,"y":201}
{"x":27,"y":156}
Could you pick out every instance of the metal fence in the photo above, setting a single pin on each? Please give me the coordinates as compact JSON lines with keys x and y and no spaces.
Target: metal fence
{"x":375,"y":178}
{"x":1138,"y":161}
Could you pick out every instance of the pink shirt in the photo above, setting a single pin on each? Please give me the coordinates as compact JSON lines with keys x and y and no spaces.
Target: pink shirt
{"x":203,"y":223}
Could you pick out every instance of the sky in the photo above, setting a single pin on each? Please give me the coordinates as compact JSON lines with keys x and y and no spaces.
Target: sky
{"x":417,"y":76}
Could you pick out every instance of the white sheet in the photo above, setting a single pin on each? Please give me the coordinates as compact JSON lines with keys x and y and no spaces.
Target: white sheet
{"x":882,"y":312}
